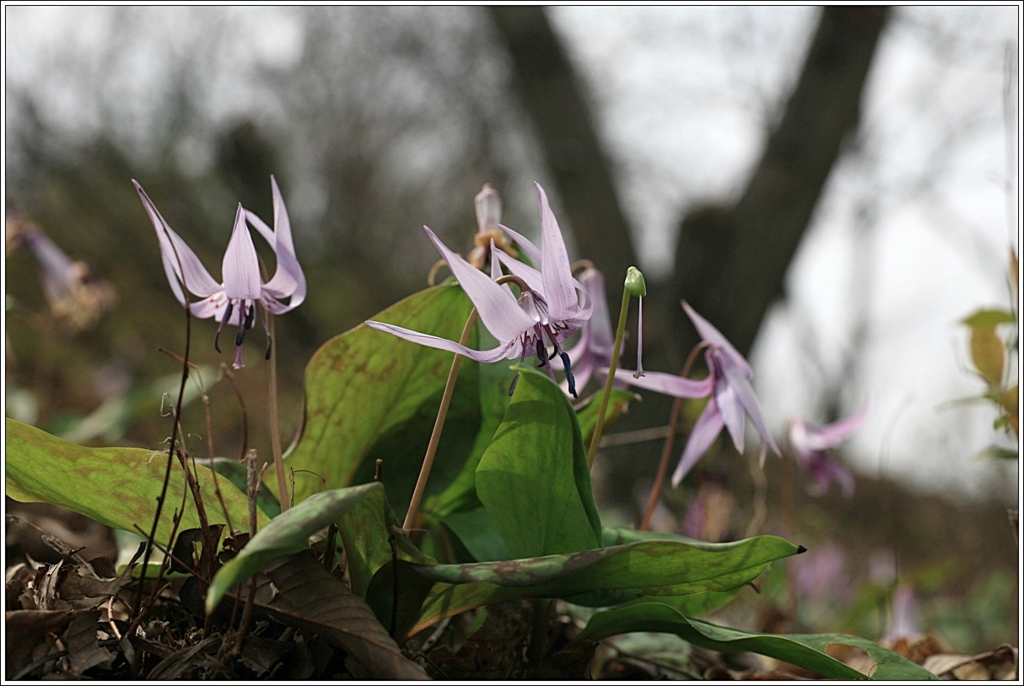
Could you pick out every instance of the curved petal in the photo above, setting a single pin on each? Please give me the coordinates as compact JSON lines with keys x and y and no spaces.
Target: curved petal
{"x":181,"y":265}
{"x":554,"y":264}
{"x":510,"y":349}
{"x":288,"y":280}
{"x":241,"y":267}
{"x":496,"y":306}
{"x":731,"y":409}
{"x":525,"y":243}
{"x":669,"y":384}
{"x":713,"y":336}
{"x":602,"y":338}
{"x":835,"y":433}
{"x":524,"y":271}
{"x":212,"y":306}
{"x":748,"y":401}
{"x":704,"y":433}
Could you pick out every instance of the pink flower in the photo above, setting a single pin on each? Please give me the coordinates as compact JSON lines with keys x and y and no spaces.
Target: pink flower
{"x":732,"y":398}
{"x":234,"y":301}
{"x":810,"y":444}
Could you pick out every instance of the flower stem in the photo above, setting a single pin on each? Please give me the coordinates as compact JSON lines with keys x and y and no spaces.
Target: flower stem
{"x":275,"y":427}
{"x":435,"y":437}
{"x":616,"y":349}
{"x":666,"y":452}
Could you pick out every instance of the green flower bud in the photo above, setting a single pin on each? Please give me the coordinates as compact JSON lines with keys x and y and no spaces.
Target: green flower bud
{"x":635,"y":285}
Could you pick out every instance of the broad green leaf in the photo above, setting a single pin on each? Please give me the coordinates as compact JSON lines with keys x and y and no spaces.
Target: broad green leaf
{"x":286,"y":534}
{"x":476,"y":531}
{"x":664,"y":568}
{"x":986,"y":319}
{"x":367,"y":531}
{"x":648,"y":567}
{"x":365,"y":386}
{"x":988,"y":354}
{"x":805,"y":650}
{"x":493,"y":383}
{"x":118,"y":487}
{"x":533,"y":478}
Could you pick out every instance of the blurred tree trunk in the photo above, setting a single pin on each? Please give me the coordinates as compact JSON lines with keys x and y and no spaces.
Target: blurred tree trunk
{"x":552,"y":96}
{"x":731,"y":261}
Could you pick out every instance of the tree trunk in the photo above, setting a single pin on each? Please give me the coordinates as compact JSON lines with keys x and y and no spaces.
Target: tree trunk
{"x":731,"y":261}
{"x":552,"y":95}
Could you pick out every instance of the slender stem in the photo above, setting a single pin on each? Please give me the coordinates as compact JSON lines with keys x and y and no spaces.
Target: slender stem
{"x":666,"y":452}
{"x":275,"y":427}
{"x":435,"y":436}
{"x":538,"y":637}
{"x":616,"y":349}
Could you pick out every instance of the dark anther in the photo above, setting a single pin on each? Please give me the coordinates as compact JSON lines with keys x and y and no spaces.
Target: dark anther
{"x":542,"y":353}
{"x":240,"y":336}
{"x":270,"y":344}
{"x":568,"y":375}
{"x":250,"y":316}
{"x":223,"y":321}
{"x":512,"y":386}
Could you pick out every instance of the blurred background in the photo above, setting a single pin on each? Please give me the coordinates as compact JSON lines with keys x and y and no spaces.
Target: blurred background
{"x":834,"y":189}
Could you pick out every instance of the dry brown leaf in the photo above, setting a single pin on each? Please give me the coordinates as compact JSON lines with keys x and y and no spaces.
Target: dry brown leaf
{"x":299,"y":592}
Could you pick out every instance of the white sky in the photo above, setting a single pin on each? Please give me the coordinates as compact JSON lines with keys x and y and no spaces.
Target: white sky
{"x":683,"y":96}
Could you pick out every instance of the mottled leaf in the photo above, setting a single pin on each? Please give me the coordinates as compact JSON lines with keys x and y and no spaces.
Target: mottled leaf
{"x":118,"y":487}
{"x":804,"y":650}
{"x":654,"y":568}
{"x":365,"y":385}
{"x":367,"y":531}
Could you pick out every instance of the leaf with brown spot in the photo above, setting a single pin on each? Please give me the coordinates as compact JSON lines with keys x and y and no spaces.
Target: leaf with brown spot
{"x":118,"y":487}
{"x":364,"y":386}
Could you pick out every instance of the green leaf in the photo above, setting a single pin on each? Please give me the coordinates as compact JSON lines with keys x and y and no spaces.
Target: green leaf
{"x":648,"y":567}
{"x":493,"y":383}
{"x":477,"y":532}
{"x":617,"y":402}
{"x":533,"y":478}
{"x":806,"y":650}
{"x":430,"y":593}
{"x":988,"y":354}
{"x":118,"y":487}
{"x":365,"y":386}
{"x":985,"y":319}
{"x":367,"y":531}
{"x":284,"y":535}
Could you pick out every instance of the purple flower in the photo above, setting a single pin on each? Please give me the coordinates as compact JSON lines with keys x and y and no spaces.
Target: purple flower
{"x":77,"y":296}
{"x":235,"y":300}
{"x":547,"y":310}
{"x":731,"y":396}
{"x":594,"y":348}
{"x":488,"y":219}
{"x":810,"y":444}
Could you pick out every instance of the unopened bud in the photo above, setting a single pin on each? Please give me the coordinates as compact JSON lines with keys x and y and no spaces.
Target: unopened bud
{"x":488,"y":208}
{"x":635,"y":285}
